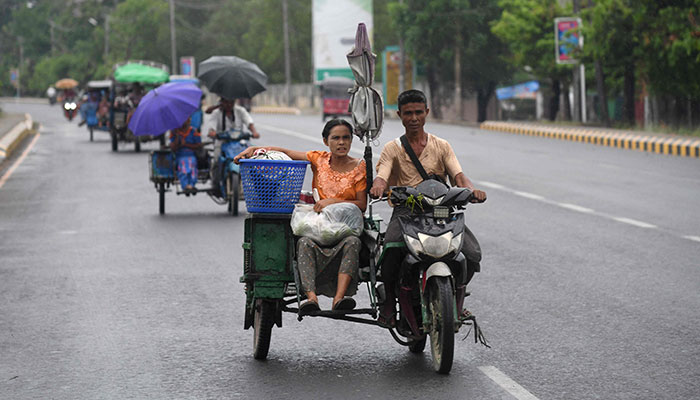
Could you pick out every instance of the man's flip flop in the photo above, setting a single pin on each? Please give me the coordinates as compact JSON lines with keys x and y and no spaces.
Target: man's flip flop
{"x":308,"y":307}
{"x":344,"y":304}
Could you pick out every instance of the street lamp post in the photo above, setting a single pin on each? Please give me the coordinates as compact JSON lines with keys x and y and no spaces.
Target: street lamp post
{"x":21,"y":62}
{"x":172,"y":37}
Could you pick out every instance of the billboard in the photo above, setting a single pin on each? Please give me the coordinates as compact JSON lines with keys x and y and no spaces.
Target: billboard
{"x":527,"y":90}
{"x":334,"y":25}
{"x":567,"y":39}
{"x":187,"y":66}
{"x":391,"y":64}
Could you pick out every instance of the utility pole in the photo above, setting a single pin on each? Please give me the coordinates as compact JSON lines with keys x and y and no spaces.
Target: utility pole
{"x":53,"y":38}
{"x":458,"y":76}
{"x":21,"y":62}
{"x":287,"y":69}
{"x":106,"y":37}
{"x":402,"y":62}
{"x":172,"y":38}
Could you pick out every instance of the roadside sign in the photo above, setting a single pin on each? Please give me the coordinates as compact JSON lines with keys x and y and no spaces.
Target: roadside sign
{"x":187,"y":66}
{"x":391,"y":66}
{"x":14,"y":77}
{"x":567,"y":39}
{"x":334,"y":23}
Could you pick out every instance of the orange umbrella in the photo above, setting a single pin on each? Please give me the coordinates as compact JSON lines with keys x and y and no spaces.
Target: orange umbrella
{"x":66,"y":83}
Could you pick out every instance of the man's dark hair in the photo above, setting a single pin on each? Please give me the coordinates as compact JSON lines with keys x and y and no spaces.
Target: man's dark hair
{"x":332,"y":124}
{"x":412,"y":96}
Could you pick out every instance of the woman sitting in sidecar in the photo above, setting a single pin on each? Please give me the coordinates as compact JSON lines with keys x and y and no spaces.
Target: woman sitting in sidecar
{"x":184,"y":141}
{"x":337,"y":178}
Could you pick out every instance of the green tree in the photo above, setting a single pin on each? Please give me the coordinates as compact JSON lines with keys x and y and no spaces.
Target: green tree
{"x":527,"y":27}
{"x":453,"y":40}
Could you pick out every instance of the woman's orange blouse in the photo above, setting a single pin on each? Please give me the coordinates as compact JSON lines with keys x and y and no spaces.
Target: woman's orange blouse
{"x":332,"y":184}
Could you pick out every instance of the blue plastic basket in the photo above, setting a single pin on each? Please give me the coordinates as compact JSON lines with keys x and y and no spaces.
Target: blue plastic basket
{"x":272,"y":186}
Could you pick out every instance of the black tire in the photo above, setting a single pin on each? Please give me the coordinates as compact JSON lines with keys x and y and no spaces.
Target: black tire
{"x":418,"y":346}
{"x":161,"y":139}
{"x":115,"y":143}
{"x":233,"y":192}
{"x":442,"y":327}
{"x":137,"y":145}
{"x":263,"y":321}
{"x":161,"y":198}
{"x":91,"y":132}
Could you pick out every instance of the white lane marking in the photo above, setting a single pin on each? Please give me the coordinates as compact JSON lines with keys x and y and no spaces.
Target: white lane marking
{"x":634,"y":222}
{"x":300,"y":135}
{"x":19,"y":161}
{"x":506,"y":383}
{"x":693,"y":238}
{"x":68,"y":232}
{"x":491,"y":185}
{"x":574,"y":207}
{"x":529,"y":195}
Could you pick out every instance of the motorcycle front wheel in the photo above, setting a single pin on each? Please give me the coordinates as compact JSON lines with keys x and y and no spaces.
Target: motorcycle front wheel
{"x":442,"y":327}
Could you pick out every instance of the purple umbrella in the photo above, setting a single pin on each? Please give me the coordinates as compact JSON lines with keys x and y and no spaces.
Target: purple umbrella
{"x":164,"y":108}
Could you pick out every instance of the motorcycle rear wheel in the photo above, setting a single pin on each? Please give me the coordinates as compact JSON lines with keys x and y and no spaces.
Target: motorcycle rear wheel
{"x":442,"y":327}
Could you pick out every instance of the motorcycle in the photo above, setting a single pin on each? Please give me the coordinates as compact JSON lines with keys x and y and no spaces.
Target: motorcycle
{"x":225,"y":174}
{"x":70,"y":107}
{"x":215,"y":165}
{"x":432,"y":269}
{"x":429,"y":303}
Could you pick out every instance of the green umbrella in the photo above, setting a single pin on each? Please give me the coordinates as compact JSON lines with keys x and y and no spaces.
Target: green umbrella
{"x":140,"y":73}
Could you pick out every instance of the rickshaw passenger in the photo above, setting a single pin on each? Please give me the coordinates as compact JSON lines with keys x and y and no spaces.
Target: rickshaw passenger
{"x":338,"y":178}
{"x":184,"y":141}
{"x":197,"y":116}
{"x":103,"y":110}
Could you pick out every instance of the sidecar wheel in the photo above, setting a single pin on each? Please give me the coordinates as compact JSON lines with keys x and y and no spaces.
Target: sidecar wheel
{"x":114,"y":141}
{"x":137,"y":145}
{"x":161,"y":198}
{"x":442,"y":327}
{"x":263,"y":321}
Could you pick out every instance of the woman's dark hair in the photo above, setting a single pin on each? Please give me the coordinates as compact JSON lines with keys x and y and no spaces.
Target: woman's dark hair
{"x":332,"y":124}
{"x":412,"y":96}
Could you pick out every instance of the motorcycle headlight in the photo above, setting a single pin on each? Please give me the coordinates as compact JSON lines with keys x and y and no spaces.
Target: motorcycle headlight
{"x":432,"y":202}
{"x":66,"y":106}
{"x":436,"y":246}
{"x":414,"y":245}
{"x":456,"y":243}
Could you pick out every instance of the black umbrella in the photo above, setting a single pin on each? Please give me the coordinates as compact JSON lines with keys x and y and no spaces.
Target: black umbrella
{"x":232,"y":77}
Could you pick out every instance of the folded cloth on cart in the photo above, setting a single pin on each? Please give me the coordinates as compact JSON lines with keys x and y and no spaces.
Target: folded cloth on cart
{"x":333,"y":224}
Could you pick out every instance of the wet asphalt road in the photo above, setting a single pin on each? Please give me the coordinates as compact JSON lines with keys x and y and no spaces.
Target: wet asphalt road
{"x":589,"y":290}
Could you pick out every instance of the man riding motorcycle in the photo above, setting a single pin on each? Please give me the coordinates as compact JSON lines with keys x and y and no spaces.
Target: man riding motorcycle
{"x":396,"y":168}
{"x":223,"y":117}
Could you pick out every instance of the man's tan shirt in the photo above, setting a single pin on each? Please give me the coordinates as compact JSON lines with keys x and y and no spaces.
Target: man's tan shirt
{"x":438,"y":158}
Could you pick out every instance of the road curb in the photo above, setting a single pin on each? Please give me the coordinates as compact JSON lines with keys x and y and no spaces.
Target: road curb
{"x":275,"y":110}
{"x":14,"y":137}
{"x":677,"y":146}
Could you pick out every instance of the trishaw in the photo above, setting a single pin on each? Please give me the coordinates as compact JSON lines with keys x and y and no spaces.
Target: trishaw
{"x":272,"y":283}
{"x":95,"y":118}
{"x":335,"y":96}
{"x":214,"y":165}
{"x":148,"y":74}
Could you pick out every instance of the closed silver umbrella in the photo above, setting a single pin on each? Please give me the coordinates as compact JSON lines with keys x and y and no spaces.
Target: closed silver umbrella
{"x":366,"y":103}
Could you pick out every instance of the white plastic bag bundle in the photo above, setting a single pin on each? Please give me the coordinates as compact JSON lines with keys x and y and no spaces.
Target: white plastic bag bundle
{"x":263,"y":154}
{"x":333,"y":224}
